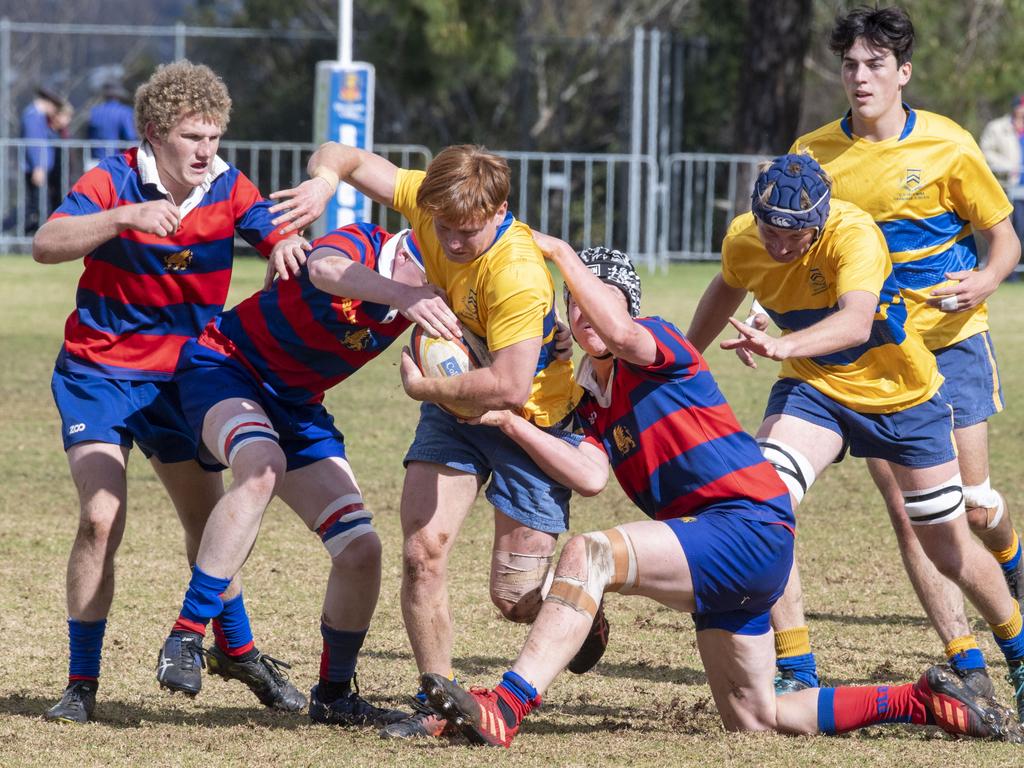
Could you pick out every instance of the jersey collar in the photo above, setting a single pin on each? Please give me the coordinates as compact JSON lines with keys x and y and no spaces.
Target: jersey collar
{"x":847,"y":123}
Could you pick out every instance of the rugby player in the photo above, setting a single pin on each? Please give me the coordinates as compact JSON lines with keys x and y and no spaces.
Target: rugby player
{"x":855,"y":376}
{"x":252,"y":385}
{"x":925,"y":182}
{"x":497,"y":284}
{"x":719,"y":545}
{"x":155,"y":226}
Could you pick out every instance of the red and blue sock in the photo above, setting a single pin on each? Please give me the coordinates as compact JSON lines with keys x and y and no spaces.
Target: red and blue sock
{"x":338,"y":662}
{"x":851,"y":707}
{"x":516,"y":698}
{"x":85,"y":639}
{"x":202,"y":602}
{"x":232,"y":631}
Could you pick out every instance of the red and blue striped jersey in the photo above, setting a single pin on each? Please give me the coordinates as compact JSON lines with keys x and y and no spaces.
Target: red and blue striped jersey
{"x":141,"y":296}
{"x":673,"y":441}
{"x":300,"y":341}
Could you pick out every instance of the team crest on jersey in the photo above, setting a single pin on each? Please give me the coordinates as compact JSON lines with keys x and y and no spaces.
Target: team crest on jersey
{"x":178,"y":262}
{"x":910,"y":189}
{"x":357,"y":341}
{"x":624,"y":441}
{"x":817,"y":280}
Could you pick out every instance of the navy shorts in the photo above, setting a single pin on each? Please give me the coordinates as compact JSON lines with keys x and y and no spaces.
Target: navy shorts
{"x":739,"y":566}
{"x":206,"y":377}
{"x":123,"y":412}
{"x":921,"y":436}
{"x":972,"y":384}
{"x":518,"y":489}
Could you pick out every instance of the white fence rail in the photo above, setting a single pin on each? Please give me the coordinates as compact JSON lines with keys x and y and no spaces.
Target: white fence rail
{"x":676,"y":210}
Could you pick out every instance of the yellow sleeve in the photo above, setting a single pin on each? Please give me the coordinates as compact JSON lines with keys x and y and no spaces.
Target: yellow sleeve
{"x":729,"y":248}
{"x":407,"y":184}
{"x":862,"y":259}
{"x":517,"y":299}
{"x":977,"y":195}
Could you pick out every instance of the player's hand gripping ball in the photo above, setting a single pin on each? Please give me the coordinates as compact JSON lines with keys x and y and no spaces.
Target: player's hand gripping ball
{"x":441,"y":358}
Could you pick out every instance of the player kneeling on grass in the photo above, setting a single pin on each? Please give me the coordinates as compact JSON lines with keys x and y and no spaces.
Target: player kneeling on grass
{"x":720,"y":545}
{"x":252,"y":385}
{"x":855,"y":374}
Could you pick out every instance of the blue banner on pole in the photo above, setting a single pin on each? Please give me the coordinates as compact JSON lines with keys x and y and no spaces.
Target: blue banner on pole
{"x":344,"y":113}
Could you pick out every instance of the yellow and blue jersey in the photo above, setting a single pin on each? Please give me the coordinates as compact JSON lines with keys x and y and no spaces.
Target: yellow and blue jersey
{"x":505,"y":296}
{"x":892,"y":370}
{"x":928,"y":189}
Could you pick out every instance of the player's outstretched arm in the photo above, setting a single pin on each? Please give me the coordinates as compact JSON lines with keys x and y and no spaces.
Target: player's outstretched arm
{"x":584,"y":468}
{"x":715,"y":307}
{"x":848,"y":327}
{"x":369,"y":173}
{"x":333,"y":272}
{"x":72,"y":237}
{"x":610,"y":320}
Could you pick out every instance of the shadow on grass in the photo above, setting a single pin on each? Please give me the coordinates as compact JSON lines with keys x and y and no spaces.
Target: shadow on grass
{"x":116,"y":713}
{"x":884,"y":620}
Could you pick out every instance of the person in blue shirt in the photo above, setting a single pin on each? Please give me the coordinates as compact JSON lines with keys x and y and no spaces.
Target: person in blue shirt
{"x":111,"y":120}
{"x":37,"y":161}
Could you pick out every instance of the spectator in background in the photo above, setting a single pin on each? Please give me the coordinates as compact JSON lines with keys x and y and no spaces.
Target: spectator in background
{"x":111,"y":120}
{"x":37,"y":161}
{"x":1002,"y":142}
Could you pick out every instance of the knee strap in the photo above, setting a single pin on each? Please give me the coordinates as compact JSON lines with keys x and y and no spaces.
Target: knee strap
{"x":517,"y":575}
{"x":793,"y":467}
{"x":982,"y":496}
{"x":343,"y":521}
{"x":610,"y":565}
{"x":932,"y":506}
{"x":239,"y":430}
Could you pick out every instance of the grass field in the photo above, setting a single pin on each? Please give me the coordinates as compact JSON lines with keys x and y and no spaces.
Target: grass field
{"x":646,"y":704}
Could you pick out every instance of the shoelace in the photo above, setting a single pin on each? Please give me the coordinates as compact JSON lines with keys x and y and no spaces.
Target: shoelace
{"x":1016,"y":678}
{"x":275,"y":667}
{"x":196,"y":652}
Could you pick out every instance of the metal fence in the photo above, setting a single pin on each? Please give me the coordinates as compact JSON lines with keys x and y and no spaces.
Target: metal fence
{"x":676,"y":210}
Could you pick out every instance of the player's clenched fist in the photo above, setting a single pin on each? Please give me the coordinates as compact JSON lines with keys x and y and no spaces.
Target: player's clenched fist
{"x":157,"y":217}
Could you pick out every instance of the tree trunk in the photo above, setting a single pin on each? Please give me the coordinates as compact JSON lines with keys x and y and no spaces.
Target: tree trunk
{"x":771,"y":87}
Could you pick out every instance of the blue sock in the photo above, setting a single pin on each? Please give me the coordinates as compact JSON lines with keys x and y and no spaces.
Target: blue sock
{"x":972,"y":658}
{"x":231,"y":628}
{"x":340,"y":653}
{"x":518,"y":687}
{"x":202,"y":601}
{"x":804,"y":668}
{"x":86,"y":642}
{"x":1011,"y":565}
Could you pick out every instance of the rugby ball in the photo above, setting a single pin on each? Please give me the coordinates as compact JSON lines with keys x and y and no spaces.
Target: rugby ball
{"x":441,"y":358}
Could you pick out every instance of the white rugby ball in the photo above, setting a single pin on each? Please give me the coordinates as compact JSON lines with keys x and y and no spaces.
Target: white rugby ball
{"x":441,"y":358}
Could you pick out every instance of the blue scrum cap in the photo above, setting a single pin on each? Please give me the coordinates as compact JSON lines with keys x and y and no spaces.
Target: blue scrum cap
{"x":792,"y":193}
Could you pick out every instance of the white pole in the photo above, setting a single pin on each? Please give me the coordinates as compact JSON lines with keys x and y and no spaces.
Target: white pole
{"x":345,"y":31}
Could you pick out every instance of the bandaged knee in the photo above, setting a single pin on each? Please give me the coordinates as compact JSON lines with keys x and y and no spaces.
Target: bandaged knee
{"x":609,"y":566}
{"x":932,"y":506}
{"x":343,"y":521}
{"x":982,"y":496}
{"x":792,"y":466}
{"x":516,"y":575}
{"x":242,"y":430}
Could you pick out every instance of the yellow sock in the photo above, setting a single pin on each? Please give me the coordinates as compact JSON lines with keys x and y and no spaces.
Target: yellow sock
{"x":1006,"y":555}
{"x":1009,"y":628}
{"x":960,"y":644}
{"x":792,"y":642}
